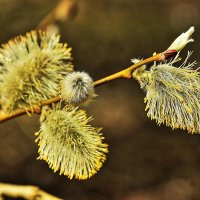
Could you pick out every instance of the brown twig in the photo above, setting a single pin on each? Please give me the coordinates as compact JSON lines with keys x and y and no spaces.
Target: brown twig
{"x":25,"y":191}
{"x":126,"y":73}
{"x":63,"y":10}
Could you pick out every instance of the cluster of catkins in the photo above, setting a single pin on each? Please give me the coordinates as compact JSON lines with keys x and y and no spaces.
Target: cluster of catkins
{"x":173,"y":92}
{"x":37,"y":67}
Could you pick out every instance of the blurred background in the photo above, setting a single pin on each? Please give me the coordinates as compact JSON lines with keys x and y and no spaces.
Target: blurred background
{"x":145,"y":161}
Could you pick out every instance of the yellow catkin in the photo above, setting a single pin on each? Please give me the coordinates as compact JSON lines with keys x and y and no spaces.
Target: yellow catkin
{"x":172,"y":94}
{"x":69,"y":144}
{"x":32,"y":67}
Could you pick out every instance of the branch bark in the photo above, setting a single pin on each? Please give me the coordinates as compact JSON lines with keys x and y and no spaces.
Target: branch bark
{"x":28,"y":192}
{"x":62,"y":11}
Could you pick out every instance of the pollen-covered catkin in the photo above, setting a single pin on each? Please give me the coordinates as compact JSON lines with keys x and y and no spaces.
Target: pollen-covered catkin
{"x":77,"y":88}
{"x":32,"y":67}
{"x":69,"y":144}
{"x":173,"y":95}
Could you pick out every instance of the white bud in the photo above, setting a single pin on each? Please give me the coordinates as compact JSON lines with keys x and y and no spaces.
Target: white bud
{"x":181,"y":41}
{"x":135,"y":60}
{"x":77,"y":88}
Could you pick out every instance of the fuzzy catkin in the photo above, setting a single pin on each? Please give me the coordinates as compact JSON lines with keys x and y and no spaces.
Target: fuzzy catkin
{"x":32,"y":67}
{"x":173,"y":95}
{"x":69,"y":144}
{"x":77,"y":88}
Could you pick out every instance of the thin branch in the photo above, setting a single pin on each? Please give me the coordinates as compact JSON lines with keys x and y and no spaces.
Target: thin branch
{"x":126,"y":73}
{"x":25,"y":191}
{"x":62,"y":11}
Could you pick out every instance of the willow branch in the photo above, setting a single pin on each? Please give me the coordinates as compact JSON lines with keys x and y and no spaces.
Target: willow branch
{"x":62,"y":11}
{"x":24,"y":191}
{"x":126,"y":73}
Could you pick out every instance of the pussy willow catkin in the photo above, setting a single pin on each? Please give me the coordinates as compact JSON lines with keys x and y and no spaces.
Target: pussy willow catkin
{"x":172,"y":94}
{"x":77,"y":88}
{"x":32,"y":67}
{"x":69,"y":144}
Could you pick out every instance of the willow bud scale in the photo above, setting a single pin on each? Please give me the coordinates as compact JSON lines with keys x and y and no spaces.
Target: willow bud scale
{"x":182,"y":40}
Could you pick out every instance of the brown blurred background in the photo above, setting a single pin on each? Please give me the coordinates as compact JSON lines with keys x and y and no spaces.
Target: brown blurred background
{"x":145,"y":162}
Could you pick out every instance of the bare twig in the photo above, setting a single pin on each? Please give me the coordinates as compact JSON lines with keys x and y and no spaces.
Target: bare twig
{"x":62,"y":11}
{"x":25,"y":191}
{"x":126,"y":73}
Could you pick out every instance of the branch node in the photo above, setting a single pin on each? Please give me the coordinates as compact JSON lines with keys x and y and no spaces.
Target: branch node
{"x":167,"y":55}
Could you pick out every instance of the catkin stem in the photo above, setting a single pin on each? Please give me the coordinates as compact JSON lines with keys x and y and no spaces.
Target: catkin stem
{"x":126,"y":73}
